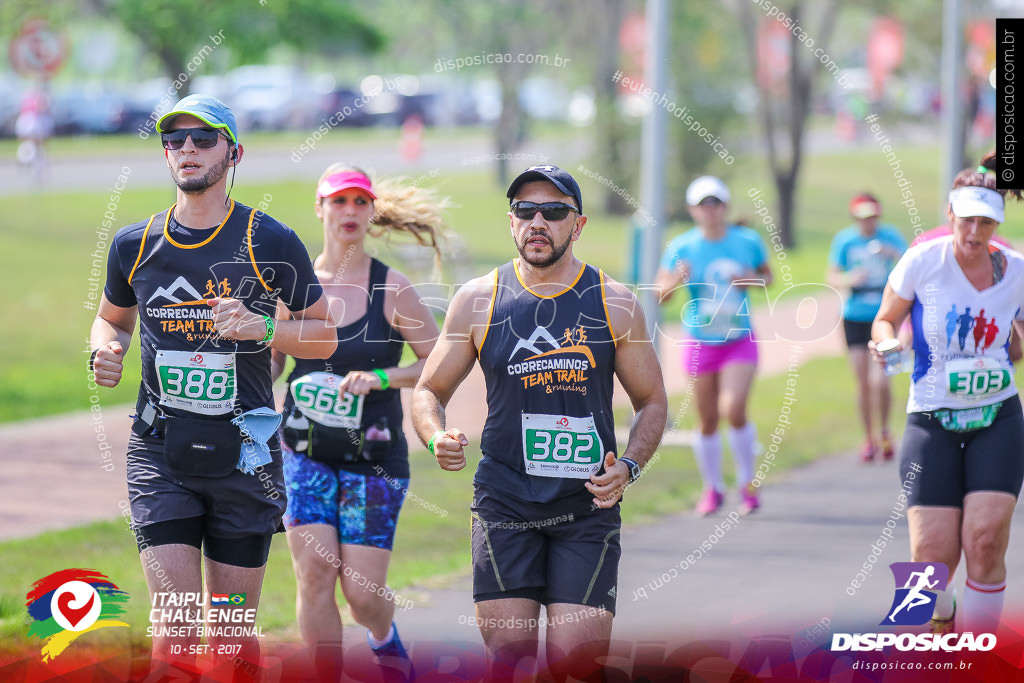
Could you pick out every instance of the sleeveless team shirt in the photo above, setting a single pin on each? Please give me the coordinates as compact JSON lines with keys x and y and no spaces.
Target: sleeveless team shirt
{"x":548,"y":363}
{"x":961,"y":335}
{"x":365,"y":344}
{"x":169,"y":271}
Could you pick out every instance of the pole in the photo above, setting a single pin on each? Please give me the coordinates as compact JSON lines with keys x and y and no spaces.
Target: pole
{"x":652,"y":171}
{"x":952,"y":90}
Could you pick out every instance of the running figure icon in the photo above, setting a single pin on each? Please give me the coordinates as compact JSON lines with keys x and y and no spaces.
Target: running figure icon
{"x":915,"y":598}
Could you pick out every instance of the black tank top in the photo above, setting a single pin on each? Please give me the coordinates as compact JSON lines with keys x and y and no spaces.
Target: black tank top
{"x":365,"y":344}
{"x":548,"y":362}
{"x":169,"y":271}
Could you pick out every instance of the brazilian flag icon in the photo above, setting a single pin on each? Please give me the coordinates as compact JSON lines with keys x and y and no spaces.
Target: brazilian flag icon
{"x":237,"y":599}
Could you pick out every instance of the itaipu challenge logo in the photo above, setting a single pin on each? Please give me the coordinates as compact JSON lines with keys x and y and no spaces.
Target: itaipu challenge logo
{"x":70,"y":603}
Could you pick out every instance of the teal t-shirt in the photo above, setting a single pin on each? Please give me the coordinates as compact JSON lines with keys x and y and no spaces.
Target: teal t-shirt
{"x":717,"y":311}
{"x":877,"y":254}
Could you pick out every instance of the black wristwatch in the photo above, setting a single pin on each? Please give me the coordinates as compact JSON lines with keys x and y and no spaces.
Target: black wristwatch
{"x":634,"y":469}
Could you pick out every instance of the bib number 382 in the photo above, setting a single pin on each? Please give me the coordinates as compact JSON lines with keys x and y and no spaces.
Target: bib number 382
{"x":318,"y":398}
{"x":201,"y":383}
{"x":561,"y":446}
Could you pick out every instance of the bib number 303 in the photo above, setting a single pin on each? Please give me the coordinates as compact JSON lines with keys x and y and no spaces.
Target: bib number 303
{"x":976,"y":378}
{"x":561,"y":446}
{"x":201,"y":383}
{"x":318,"y":398}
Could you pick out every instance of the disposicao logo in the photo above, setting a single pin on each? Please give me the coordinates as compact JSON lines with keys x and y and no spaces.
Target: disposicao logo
{"x":917,"y":584}
{"x":68,"y":603}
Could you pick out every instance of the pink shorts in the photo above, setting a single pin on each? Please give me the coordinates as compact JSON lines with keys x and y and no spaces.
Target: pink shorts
{"x":703,"y":358}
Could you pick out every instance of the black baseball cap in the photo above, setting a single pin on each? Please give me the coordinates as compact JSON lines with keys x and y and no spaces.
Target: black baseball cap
{"x":558,"y":177}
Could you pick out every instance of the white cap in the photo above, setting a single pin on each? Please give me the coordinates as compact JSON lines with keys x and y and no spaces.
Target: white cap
{"x":977,"y":201}
{"x":706,"y":186}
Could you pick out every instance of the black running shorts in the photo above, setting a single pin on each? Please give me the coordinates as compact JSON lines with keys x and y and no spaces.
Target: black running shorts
{"x":565,"y":553}
{"x":941,"y":467}
{"x":232,"y":506}
{"x":857,"y":333}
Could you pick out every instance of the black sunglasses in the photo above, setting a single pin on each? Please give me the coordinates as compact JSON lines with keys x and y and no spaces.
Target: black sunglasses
{"x":552,"y":211}
{"x":203,"y":138}
{"x":710,"y":201}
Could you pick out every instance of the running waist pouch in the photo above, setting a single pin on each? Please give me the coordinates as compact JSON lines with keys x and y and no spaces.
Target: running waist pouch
{"x":202,"y":448}
{"x":967,"y":419}
{"x":335,"y":445}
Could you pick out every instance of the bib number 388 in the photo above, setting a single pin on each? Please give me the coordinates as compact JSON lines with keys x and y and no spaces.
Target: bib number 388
{"x":561,"y":446}
{"x":201,"y":383}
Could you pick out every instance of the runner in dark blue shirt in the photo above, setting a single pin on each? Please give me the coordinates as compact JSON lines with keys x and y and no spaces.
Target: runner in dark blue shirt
{"x":550,"y":333}
{"x":203,"y":279}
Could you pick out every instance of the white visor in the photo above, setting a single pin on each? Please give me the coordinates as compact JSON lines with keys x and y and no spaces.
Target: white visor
{"x":977,"y":201}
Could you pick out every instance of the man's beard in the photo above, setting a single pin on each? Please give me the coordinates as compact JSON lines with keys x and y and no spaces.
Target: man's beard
{"x":541,"y":261}
{"x":204,"y":182}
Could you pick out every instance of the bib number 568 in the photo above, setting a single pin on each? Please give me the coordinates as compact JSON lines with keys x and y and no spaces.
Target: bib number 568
{"x":324,"y":399}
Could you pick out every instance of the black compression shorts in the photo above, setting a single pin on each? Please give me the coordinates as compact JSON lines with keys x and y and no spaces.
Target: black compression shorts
{"x":943,"y":466}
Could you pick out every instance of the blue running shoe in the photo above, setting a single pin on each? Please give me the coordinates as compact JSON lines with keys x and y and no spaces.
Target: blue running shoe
{"x":393,"y":655}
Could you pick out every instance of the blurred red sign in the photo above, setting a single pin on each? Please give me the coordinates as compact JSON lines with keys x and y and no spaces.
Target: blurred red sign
{"x":773,"y":45}
{"x":38,"y":50}
{"x":885,"y":51}
{"x":632,"y":41}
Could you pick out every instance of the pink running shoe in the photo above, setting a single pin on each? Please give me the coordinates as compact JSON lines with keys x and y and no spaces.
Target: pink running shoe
{"x":709,"y":502}
{"x":748,"y":500}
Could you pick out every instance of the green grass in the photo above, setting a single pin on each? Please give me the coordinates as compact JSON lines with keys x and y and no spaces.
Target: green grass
{"x":429,"y":545}
{"x":48,"y":322}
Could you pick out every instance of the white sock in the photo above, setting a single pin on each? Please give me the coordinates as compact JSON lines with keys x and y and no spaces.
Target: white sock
{"x":708,"y":450}
{"x":944,"y":600}
{"x":374,"y":643}
{"x":742,"y":443}
{"x":982,"y":607}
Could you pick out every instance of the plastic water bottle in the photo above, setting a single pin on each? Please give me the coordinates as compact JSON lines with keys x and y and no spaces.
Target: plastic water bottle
{"x":297,"y":421}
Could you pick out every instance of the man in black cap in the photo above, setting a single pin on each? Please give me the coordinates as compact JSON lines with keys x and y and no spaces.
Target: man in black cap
{"x":551,"y":333}
{"x":203,"y":279}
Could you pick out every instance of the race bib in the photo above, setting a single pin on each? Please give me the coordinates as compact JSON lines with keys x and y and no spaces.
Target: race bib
{"x":972,"y":378}
{"x":560,"y":446}
{"x":201,"y":383}
{"x":713,"y":321}
{"x":316,"y":395}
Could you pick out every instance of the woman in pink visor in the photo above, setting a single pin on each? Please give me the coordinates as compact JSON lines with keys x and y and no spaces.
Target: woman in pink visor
{"x":346,"y":456}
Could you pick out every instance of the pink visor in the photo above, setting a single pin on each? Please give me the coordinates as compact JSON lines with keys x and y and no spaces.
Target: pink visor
{"x":337,"y":182}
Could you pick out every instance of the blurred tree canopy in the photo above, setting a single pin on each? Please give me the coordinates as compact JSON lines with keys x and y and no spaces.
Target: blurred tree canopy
{"x":176,"y":31}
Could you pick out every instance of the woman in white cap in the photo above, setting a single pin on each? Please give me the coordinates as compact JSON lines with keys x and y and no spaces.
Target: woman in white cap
{"x":346,"y":459}
{"x":717,"y":261}
{"x":961,"y":461}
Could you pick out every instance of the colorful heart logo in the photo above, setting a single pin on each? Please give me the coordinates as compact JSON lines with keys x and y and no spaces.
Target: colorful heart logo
{"x":72,"y":614}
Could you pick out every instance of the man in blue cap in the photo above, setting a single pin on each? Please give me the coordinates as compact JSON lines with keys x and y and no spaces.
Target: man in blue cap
{"x":214,"y":286}
{"x":551,"y":334}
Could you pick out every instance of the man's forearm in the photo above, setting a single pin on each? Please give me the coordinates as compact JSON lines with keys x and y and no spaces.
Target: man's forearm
{"x":428,"y":415}
{"x":646,"y":432}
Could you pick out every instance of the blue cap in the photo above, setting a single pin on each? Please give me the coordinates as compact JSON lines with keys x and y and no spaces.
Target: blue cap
{"x":206,"y":108}
{"x":558,"y":177}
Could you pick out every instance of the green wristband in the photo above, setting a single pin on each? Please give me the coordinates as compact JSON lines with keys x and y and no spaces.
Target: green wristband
{"x":384,"y":381}
{"x":430,"y":444}
{"x":269,"y":336}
